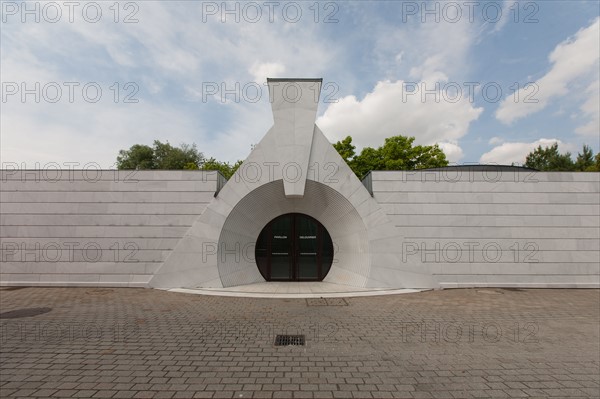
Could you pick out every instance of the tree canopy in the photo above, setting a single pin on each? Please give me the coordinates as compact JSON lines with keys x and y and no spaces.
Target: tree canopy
{"x":397,"y":153}
{"x":550,"y":159}
{"x":225,"y":168}
{"x":160,"y":156}
{"x":165,"y":156}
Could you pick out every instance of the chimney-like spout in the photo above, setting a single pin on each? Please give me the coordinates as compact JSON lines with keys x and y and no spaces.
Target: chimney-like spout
{"x":294,"y":103}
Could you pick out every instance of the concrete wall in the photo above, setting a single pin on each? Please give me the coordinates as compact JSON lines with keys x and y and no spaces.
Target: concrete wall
{"x":496,"y":228}
{"x":446,"y":228}
{"x":62,"y":227}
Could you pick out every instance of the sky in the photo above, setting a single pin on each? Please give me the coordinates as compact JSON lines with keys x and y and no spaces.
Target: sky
{"x":488,"y":81}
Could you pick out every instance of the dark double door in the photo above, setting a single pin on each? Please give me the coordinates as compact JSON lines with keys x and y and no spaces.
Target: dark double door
{"x":294,"y":247}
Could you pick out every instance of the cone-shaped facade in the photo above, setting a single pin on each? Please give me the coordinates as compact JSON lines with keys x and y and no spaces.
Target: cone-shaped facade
{"x":293,"y":170}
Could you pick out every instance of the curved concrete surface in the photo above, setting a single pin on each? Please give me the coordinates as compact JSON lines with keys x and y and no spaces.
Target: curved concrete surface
{"x":295,"y":290}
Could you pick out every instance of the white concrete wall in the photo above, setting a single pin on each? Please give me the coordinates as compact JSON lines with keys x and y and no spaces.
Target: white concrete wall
{"x":448,"y":229}
{"x":111,"y":228}
{"x":496,"y":228}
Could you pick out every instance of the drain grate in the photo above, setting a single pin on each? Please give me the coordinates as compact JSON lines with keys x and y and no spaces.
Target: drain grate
{"x":19,"y":313}
{"x":285,"y":340}
{"x":326,"y":302}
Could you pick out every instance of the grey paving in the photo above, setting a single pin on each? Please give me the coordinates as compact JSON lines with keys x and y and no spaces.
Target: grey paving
{"x":142,"y":343}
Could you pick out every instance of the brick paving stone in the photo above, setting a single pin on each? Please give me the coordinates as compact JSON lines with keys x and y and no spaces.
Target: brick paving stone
{"x":171,"y":345}
{"x":203,"y":394}
{"x":125,"y":394}
{"x":164,"y":394}
{"x":44,"y":393}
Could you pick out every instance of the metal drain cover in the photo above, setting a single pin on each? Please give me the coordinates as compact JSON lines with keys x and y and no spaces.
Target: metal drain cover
{"x":19,"y":313}
{"x":285,"y":340}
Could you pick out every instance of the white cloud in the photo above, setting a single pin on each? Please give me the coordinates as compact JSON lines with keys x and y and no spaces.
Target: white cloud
{"x":506,"y":14}
{"x":387,"y":111}
{"x":426,"y":53}
{"x":510,"y":152}
{"x":591,"y":109}
{"x":169,"y":54}
{"x":77,"y":135}
{"x":576,"y":58}
{"x":452,"y":150}
{"x":262,"y":71}
{"x":445,"y":50}
{"x":418,"y":51}
{"x":496,"y":140}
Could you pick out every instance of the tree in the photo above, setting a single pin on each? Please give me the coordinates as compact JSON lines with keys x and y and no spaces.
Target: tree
{"x":160,"y":156}
{"x":345,"y":148}
{"x":368,"y":160}
{"x":137,"y":157}
{"x":549,"y":159}
{"x":585,"y":159}
{"x":225,"y":168}
{"x":168,"y":157}
{"x":596,"y":166}
{"x":397,"y":153}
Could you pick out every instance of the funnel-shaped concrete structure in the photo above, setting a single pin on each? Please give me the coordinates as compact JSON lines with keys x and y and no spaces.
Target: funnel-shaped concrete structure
{"x":294,"y":169}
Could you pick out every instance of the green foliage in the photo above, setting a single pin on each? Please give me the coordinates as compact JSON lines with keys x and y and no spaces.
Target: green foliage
{"x":397,"y":153}
{"x":550,"y":159}
{"x":168,"y":157}
{"x":190,"y":166}
{"x":165,"y":156}
{"x":368,"y":160}
{"x":595,"y":167}
{"x":585,"y":159}
{"x":137,"y":157}
{"x":160,"y":156}
{"x":225,"y":168}
{"x":345,"y":148}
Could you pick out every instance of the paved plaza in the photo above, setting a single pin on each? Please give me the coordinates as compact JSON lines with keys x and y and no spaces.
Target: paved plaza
{"x":144,"y":343}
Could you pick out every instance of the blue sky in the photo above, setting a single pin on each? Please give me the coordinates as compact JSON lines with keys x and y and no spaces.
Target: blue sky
{"x":168,"y":56}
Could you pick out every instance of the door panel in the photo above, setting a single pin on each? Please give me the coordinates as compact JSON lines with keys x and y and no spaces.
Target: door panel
{"x":281,"y":248}
{"x":294,"y":247}
{"x":307,"y":248}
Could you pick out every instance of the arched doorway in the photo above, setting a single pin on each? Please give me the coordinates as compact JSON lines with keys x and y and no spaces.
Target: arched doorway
{"x":294,"y":247}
